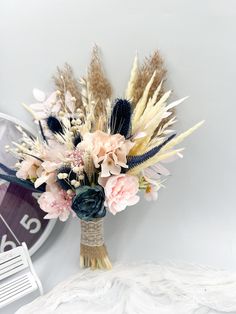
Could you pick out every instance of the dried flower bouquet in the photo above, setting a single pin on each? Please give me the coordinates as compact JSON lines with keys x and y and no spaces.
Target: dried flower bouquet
{"x":95,"y":154}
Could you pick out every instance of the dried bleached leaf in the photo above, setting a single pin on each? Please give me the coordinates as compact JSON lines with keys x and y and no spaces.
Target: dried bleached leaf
{"x":166,"y":151}
{"x":150,"y":162}
{"x":142,"y":103}
{"x":133,"y":78}
{"x":39,"y":95}
{"x":182,"y":136}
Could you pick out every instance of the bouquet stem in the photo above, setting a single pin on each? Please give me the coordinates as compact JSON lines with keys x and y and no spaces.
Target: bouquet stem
{"x":93,"y":252}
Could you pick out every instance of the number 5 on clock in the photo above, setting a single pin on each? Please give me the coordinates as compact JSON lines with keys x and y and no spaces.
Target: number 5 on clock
{"x":31,"y":224}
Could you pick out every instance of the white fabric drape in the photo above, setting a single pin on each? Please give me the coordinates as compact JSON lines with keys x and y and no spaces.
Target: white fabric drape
{"x":141,"y":289}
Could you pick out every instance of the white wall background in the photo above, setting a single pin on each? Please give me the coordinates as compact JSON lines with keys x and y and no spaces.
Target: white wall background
{"x":195,"y":217}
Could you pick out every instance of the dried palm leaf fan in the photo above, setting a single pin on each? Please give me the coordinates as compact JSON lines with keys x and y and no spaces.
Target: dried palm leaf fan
{"x":94,"y":154}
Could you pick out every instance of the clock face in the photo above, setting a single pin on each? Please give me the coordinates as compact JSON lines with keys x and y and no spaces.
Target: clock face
{"x":21,"y":219}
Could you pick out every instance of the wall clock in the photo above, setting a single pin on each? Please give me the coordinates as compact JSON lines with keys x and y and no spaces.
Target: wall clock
{"x":21,"y":219}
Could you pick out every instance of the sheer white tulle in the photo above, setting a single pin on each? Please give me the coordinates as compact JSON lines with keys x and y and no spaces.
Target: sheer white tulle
{"x":141,"y":289}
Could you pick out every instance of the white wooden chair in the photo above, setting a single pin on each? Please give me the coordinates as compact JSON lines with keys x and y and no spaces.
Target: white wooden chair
{"x":17,"y":275}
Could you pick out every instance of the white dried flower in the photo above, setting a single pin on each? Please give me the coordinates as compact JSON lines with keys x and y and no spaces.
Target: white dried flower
{"x":60,"y":176}
{"x":77,"y":184}
{"x":76,"y":169}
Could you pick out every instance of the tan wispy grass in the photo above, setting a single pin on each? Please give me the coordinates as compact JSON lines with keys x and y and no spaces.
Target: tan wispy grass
{"x":151,"y":64}
{"x":99,"y":86}
{"x":65,"y":80}
{"x":147,"y":83}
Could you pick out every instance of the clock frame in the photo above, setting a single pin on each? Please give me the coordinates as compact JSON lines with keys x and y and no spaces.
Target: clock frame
{"x":27,"y":220}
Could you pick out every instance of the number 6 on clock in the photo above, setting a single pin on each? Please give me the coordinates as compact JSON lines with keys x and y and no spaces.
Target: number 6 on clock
{"x":5,"y":243}
{"x":28,"y":223}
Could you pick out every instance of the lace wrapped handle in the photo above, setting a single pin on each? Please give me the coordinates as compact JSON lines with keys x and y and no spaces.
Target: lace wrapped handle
{"x":93,"y":252}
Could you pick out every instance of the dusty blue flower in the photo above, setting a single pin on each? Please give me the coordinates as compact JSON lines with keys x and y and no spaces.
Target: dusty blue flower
{"x":88,"y":203}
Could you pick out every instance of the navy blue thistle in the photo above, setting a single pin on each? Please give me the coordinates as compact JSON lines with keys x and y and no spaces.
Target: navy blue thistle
{"x":134,"y":161}
{"x":77,"y":139}
{"x":54,"y":125}
{"x":121,"y":118}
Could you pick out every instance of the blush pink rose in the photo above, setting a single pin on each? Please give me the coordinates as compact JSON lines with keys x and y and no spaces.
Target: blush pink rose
{"x":120,"y":192}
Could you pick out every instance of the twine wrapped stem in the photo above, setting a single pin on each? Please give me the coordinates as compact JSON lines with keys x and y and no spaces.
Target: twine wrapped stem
{"x":93,"y":252}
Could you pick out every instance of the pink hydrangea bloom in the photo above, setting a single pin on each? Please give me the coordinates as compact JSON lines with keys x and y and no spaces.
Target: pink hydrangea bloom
{"x":120,"y":192}
{"x":56,"y":202}
{"x":108,"y":151}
